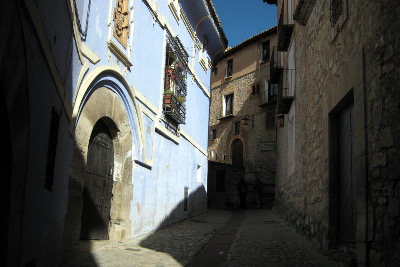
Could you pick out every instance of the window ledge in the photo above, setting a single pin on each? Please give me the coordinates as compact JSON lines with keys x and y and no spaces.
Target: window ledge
{"x":226,"y":117}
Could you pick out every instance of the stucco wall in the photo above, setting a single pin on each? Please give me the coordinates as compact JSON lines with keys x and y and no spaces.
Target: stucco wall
{"x":81,"y":78}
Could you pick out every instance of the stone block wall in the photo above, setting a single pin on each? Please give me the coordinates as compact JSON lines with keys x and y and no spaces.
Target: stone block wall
{"x":359,"y":63}
{"x":245,"y":103}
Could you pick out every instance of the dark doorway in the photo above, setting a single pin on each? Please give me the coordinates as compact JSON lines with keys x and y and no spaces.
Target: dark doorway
{"x":98,"y":183}
{"x":346,"y":178}
{"x":237,"y":153}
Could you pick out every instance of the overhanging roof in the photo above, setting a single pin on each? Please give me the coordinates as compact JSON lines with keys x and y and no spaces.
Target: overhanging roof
{"x":205,"y":22}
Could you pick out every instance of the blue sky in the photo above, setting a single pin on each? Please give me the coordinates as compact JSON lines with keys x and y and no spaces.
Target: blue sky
{"x":242,"y":19}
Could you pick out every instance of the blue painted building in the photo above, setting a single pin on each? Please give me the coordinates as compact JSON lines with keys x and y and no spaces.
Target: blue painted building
{"x":106,"y":109}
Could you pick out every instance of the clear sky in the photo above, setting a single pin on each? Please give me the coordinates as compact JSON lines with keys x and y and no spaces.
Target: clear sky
{"x":242,"y":19}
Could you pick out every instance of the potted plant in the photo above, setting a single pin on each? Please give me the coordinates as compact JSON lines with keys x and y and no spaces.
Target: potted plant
{"x":170,"y":73}
{"x":167,"y":97}
{"x":181,"y":99}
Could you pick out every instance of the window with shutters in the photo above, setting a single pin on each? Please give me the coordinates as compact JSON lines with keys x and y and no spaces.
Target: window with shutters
{"x":265,"y":51}
{"x":229,"y":68}
{"x":228,"y":105}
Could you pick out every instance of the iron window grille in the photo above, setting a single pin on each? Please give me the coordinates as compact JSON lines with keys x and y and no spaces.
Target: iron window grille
{"x":175,"y":86}
{"x":336,"y":9}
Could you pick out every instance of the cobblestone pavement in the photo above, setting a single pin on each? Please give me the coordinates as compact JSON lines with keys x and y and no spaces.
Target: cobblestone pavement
{"x":266,"y":240}
{"x":260,"y":238}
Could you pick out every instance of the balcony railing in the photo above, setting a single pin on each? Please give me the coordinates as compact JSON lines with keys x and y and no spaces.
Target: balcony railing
{"x":174,"y":107}
{"x":175,"y":80}
{"x":286,"y":91}
{"x":275,"y":65}
{"x":285,"y":26}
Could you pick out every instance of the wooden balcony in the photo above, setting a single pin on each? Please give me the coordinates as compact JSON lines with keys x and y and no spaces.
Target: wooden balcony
{"x":285,"y":29}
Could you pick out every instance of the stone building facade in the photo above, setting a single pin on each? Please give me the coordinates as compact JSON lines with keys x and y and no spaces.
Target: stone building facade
{"x":242,"y":111}
{"x":105,"y":107}
{"x":337,"y":153}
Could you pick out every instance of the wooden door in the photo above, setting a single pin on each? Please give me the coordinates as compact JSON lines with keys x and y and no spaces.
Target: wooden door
{"x":237,"y":152}
{"x":97,"y":191}
{"x":346,"y":180}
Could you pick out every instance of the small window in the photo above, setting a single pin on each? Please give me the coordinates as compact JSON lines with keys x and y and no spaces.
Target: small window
{"x":223,"y":156}
{"x":215,"y":70}
{"x":236,"y":127}
{"x":273,"y":89}
{"x":265,"y":51}
{"x":255,"y":89}
{"x":214,"y":134}
{"x":228,"y":104}
{"x":229,"y":68}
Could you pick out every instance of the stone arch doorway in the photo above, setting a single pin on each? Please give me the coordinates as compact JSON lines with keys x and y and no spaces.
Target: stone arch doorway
{"x":103,"y":116}
{"x":98,"y":184}
{"x":237,"y":152}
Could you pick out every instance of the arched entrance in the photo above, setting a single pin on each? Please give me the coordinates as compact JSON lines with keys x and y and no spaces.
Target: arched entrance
{"x":100,"y":187}
{"x":237,"y":152}
{"x":98,"y":183}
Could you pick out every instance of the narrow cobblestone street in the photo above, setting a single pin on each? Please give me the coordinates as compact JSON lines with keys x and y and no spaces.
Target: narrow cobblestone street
{"x":214,"y":238}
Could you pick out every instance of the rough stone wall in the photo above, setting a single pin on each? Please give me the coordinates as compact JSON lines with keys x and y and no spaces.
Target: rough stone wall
{"x":325,"y":70}
{"x":244,"y":104}
{"x":383,"y":126}
{"x":255,"y":161}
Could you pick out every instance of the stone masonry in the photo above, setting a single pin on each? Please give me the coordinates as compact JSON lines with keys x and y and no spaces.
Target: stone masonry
{"x":353,"y":62}
{"x":247,"y":84}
